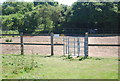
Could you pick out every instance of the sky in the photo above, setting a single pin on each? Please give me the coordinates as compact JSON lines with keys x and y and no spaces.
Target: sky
{"x":66,"y":2}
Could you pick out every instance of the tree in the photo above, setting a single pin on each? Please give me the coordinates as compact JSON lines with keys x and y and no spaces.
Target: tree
{"x":91,"y":15}
{"x":50,"y":18}
{"x":45,"y":2}
{"x":16,"y":7}
{"x":12,"y":22}
{"x":30,"y":22}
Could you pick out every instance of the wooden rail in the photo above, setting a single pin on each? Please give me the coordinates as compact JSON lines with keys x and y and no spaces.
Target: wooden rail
{"x":61,"y":44}
{"x":24,"y":35}
{"x":9,"y":34}
{"x":31,"y":44}
{"x":22,"y":42}
{"x":103,"y":45}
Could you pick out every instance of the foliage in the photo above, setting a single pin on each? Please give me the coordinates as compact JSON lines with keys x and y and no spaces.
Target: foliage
{"x":93,"y":15}
{"x":16,"y":7}
{"x":44,"y":17}
{"x":12,"y":22}
{"x":30,"y":22}
{"x":43,"y":2}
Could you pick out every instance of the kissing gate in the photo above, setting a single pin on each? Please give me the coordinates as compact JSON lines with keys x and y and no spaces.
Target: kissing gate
{"x":75,"y":46}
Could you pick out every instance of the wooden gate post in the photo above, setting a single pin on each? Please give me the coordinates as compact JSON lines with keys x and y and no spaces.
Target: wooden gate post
{"x":68,"y":47}
{"x":86,"y":45}
{"x":52,"y":45}
{"x":21,"y":43}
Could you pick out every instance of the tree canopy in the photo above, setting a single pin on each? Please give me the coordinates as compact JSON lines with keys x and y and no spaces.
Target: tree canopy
{"x":45,"y":17}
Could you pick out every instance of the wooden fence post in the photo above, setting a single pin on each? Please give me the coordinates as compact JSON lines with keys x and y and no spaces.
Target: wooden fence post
{"x":66,"y":46}
{"x":78,"y":43}
{"x":86,"y":45}
{"x":74,"y":46}
{"x":22,"y":44}
{"x":52,"y":45}
{"x":63,"y":46}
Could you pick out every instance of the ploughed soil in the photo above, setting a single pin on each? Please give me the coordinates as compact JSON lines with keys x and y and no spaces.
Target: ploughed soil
{"x":101,"y":51}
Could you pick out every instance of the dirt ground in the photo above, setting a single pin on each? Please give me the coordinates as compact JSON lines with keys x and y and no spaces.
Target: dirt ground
{"x":102,"y":51}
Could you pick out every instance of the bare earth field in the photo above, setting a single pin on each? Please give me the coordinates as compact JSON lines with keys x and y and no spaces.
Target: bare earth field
{"x":101,"y":51}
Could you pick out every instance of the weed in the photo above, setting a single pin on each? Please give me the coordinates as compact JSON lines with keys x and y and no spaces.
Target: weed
{"x":118,"y":59}
{"x":27,"y":69}
{"x":98,"y":59}
{"x":81,"y":58}
{"x":8,"y":40}
{"x":69,"y":57}
{"x":89,"y":58}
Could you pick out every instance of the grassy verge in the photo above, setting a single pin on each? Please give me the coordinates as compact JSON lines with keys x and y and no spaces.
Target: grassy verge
{"x":56,"y":67}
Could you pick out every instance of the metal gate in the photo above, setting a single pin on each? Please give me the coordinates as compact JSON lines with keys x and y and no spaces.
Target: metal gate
{"x":75,"y":45}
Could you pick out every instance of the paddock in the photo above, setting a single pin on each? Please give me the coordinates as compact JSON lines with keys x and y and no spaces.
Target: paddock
{"x":102,"y":61}
{"x":96,"y":51}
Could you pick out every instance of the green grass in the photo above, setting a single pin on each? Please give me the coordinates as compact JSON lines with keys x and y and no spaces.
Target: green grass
{"x":56,"y":67}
